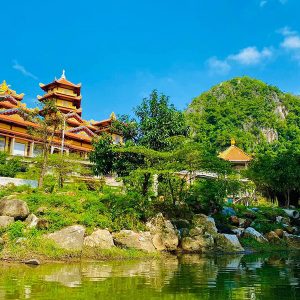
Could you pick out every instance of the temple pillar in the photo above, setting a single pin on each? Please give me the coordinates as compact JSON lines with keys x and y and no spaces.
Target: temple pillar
{"x":31,"y":147}
{"x":12,"y":146}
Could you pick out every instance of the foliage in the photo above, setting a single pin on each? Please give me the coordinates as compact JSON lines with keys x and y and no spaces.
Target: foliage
{"x":254,"y":245}
{"x":9,"y":167}
{"x":16,"y":230}
{"x":45,"y":130}
{"x":239,"y":108}
{"x":276,"y":169}
{"x":207,"y":196}
{"x":102,"y":155}
{"x":68,"y":206}
{"x":63,"y":166}
{"x":126,"y":127}
{"x":157,"y":121}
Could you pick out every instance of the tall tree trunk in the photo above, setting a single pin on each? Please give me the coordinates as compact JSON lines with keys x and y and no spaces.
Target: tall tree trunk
{"x":43,"y":170}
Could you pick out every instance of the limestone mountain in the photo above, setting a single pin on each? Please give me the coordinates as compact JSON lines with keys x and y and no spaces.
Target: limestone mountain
{"x":246,"y":109}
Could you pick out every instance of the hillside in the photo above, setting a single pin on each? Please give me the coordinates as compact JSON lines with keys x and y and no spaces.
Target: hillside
{"x":246,"y":109}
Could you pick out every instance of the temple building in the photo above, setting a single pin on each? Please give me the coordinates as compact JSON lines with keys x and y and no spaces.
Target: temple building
{"x":76,"y":135}
{"x":236,"y":156}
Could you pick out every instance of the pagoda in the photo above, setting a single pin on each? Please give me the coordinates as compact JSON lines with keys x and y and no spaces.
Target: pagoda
{"x":76,"y":134}
{"x":236,"y":156}
{"x":65,"y":94}
{"x":14,"y":138}
{"x":8,"y":97}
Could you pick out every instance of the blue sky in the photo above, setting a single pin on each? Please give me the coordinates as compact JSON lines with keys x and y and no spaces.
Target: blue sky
{"x":121,"y":50}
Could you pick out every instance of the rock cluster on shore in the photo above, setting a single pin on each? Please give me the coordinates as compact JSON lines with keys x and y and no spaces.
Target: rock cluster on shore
{"x":200,"y":235}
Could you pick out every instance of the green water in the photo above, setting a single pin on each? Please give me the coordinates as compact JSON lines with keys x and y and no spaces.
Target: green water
{"x":274,"y":276}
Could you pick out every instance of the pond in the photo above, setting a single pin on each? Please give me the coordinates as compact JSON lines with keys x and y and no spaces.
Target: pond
{"x":252,"y":276}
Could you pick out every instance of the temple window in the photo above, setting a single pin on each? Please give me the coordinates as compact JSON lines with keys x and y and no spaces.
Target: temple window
{"x":37,"y":150}
{"x":2,"y":143}
{"x":19,"y":149}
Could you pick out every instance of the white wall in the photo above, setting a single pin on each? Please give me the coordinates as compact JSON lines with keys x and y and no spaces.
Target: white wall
{"x":18,"y":181}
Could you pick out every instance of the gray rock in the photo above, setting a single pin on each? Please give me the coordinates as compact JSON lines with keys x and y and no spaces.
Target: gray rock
{"x":100,"y":238}
{"x":32,"y":261}
{"x":238,"y":231}
{"x":135,"y":240}
{"x":228,"y":243}
{"x":207,"y":224}
{"x":198,"y":243}
{"x":165,"y":236}
{"x":272,"y":237}
{"x":21,"y":240}
{"x":17,"y":209}
{"x":292,"y":240}
{"x":6,"y":221}
{"x":69,"y":238}
{"x":31,"y":221}
{"x":251,"y":232}
{"x":42,"y":224}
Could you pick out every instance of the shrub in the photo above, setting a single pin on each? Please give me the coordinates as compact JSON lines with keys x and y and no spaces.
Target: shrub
{"x":16,"y":230}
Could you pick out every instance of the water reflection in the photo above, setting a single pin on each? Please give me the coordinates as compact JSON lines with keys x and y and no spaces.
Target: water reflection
{"x":273,"y":276}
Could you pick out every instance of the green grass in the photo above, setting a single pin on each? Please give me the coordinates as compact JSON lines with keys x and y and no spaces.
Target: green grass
{"x":252,"y":244}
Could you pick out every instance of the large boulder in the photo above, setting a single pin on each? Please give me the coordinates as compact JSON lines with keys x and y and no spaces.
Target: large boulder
{"x":135,"y":240}
{"x":272,"y":237}
{"x":164,"y":235}
{"x":251,"y":232}
{"x":293,"y":241}
{"x":31,"y":221}
{"x":279,"y":232}
{"x":228,"y":243}
{"x":17,"y":209}
{"x":100,"y":238}
{"x":207,"y":224}
{"x":69,"y":238}
{"x":6,"y":221}
{"x":197,"y":243}
{"x":234,"y":220}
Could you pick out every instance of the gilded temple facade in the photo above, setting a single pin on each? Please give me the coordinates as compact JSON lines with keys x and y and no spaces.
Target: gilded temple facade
{"x":76,"y":135}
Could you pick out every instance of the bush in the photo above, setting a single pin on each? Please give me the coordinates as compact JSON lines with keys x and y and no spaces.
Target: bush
{"x":9,"y":167}
{"x":207,"y":196}
{"x":16,"y":230}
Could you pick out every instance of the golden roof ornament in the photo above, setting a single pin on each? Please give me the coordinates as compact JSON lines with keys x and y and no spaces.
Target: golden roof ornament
{"x":232,"y":141}
{"x":113,"y":116}
{"x":4,"y":88}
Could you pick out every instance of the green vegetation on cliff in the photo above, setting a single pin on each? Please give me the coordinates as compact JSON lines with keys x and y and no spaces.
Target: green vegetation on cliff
{"x":245,"y":109}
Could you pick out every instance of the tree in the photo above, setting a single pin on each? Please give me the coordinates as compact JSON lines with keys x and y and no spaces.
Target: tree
{"x":63,"y":166}
{"x":276,"y":171}
{"x":102,"y":156}
{"x":157,"y":121}
{"x":44,"y":131}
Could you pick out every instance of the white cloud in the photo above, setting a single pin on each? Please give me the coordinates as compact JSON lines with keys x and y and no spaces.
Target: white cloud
{"x":291,"y":42}
{"x":22,"y":69}
{"x":251,"y":56}
{"x":217,"y":66}
{"x":286,"y":31}
{"x":263,"y":3}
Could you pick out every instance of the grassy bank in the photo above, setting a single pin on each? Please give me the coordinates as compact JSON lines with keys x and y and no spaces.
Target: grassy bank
{"x":46,"y":250}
